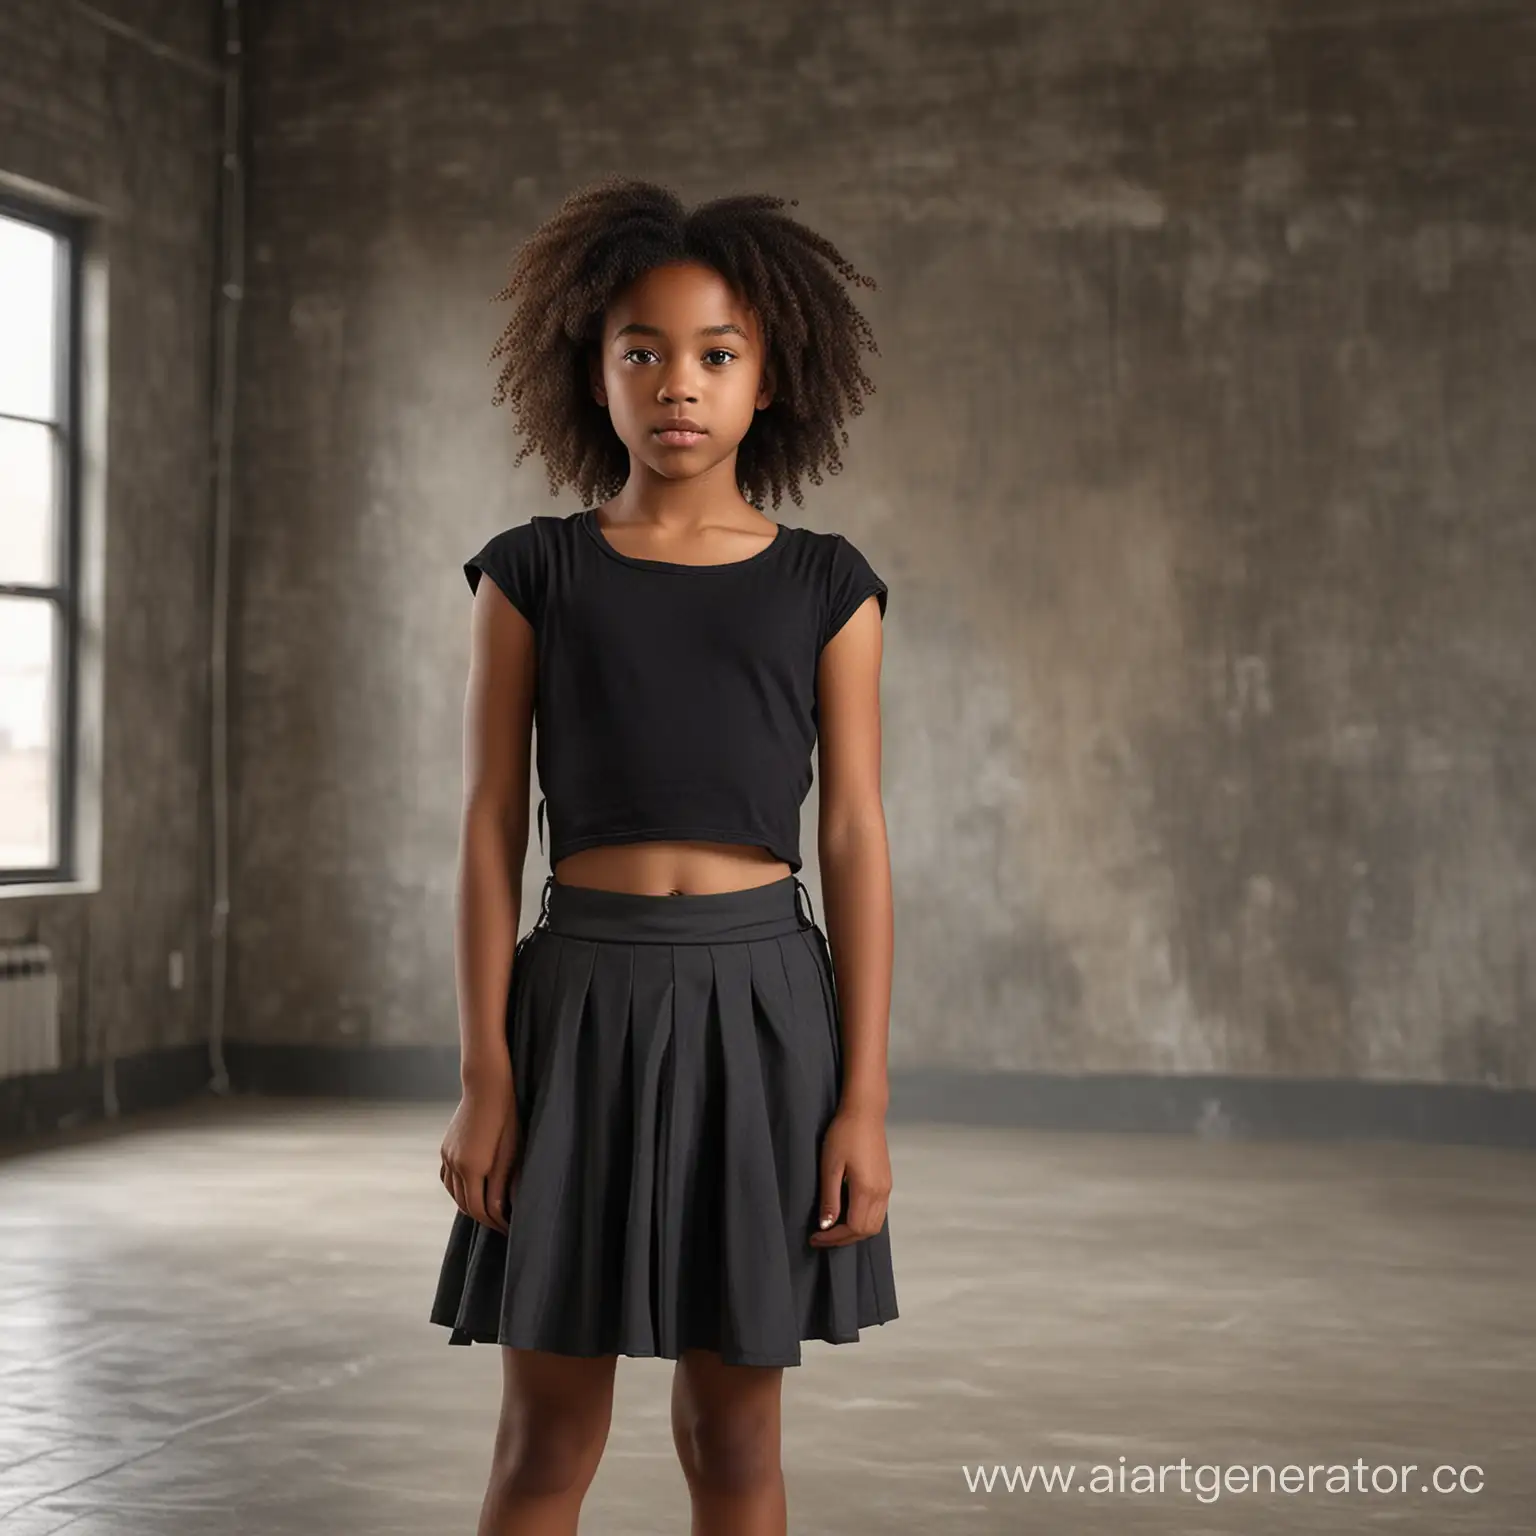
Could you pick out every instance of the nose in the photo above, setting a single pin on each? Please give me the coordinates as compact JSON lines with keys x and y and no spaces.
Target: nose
{"x":677,"y":384}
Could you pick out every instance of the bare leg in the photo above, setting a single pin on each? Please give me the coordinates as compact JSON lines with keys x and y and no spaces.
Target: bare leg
{"x":725,"y":1424}
{"x":555,"y":1413}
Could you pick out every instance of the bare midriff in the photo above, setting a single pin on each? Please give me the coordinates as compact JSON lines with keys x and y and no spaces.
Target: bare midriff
{"x":671,"y":869}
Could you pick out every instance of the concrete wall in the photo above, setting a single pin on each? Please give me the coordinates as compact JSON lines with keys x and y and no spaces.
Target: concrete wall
{"x":91,"y":114}
{"x":1200,"y":468}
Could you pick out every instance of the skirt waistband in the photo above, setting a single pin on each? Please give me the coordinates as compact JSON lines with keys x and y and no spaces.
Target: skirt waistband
{"x":718,"y":917}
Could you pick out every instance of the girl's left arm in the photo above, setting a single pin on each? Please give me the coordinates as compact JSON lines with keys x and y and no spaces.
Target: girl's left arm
{"x":856,"y":900}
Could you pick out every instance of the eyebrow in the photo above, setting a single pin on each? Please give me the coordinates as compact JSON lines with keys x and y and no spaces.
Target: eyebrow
{"x":636,"y":329}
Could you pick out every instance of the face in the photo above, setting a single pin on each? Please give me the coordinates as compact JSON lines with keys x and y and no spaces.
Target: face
{"x":679,"y":342}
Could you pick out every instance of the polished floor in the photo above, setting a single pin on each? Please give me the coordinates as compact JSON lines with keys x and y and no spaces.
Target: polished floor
{"x":213,"y":1321}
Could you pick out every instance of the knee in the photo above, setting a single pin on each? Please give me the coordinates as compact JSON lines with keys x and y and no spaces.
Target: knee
{"x":730,"y":1450}
{"x":551,"y":1454}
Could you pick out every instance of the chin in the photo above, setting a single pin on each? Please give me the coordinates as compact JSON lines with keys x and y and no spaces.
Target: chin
{"x":684,"y":464}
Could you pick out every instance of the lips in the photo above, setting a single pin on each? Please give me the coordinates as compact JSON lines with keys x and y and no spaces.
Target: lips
{"x":679,"y":424}
{"x":679,"y":436}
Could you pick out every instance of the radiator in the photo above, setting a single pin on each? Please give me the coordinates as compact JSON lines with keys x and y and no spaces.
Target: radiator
{"x":29,"y":1010}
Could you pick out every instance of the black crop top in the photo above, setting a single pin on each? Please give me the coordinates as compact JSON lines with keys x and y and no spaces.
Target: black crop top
{"x":675,"y":701}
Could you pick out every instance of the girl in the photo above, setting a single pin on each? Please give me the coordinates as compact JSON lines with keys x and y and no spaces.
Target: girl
{"x":671,"y":1140}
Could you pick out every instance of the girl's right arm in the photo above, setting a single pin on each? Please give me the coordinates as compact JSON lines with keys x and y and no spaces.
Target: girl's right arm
{"x":493,"y":836}
{"x":498,"y":726}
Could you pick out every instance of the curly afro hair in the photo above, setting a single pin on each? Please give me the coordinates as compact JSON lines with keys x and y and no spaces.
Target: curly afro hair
{"x":605,"y":236}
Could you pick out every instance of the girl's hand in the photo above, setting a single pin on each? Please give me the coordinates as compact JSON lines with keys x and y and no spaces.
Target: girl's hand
{"x":854,"y":1145}
{"x":478,"y":1150}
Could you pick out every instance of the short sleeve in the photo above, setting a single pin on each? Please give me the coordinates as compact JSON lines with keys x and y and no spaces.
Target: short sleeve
{"x":513,"y":559}
{"x":850,"y":581}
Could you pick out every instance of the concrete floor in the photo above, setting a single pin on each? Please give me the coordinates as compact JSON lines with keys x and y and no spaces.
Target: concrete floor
{"x":214,"y":1321}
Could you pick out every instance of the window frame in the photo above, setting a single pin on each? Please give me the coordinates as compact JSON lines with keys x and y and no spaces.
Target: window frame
{"x":63,"y":594}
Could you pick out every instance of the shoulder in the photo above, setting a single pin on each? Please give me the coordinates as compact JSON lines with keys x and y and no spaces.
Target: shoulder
{"x":827,"y":552}
{"x":850,"y":579}
{"x":518,"y":560}
{"x":843,"y":575}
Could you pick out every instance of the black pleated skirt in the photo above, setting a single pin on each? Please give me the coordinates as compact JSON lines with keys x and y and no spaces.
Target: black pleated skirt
{"x":676,"y":1063}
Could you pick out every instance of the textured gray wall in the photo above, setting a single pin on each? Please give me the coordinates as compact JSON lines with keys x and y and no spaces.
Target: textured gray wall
{"x":98,"y":116}
{"x":1200,"y":468}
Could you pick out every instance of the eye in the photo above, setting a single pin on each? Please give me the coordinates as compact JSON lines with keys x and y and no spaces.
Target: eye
{"x":724,"y":353}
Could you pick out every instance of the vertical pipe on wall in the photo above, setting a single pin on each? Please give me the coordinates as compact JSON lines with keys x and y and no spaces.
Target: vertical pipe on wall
{"x":231,"y":295}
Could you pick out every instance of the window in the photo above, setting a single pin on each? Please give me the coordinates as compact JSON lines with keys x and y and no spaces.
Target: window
{"x":39,"y":540}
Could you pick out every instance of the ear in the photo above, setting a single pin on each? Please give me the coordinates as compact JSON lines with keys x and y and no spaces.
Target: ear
{"x":595,"y":378}
{"x":765,"y":388}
